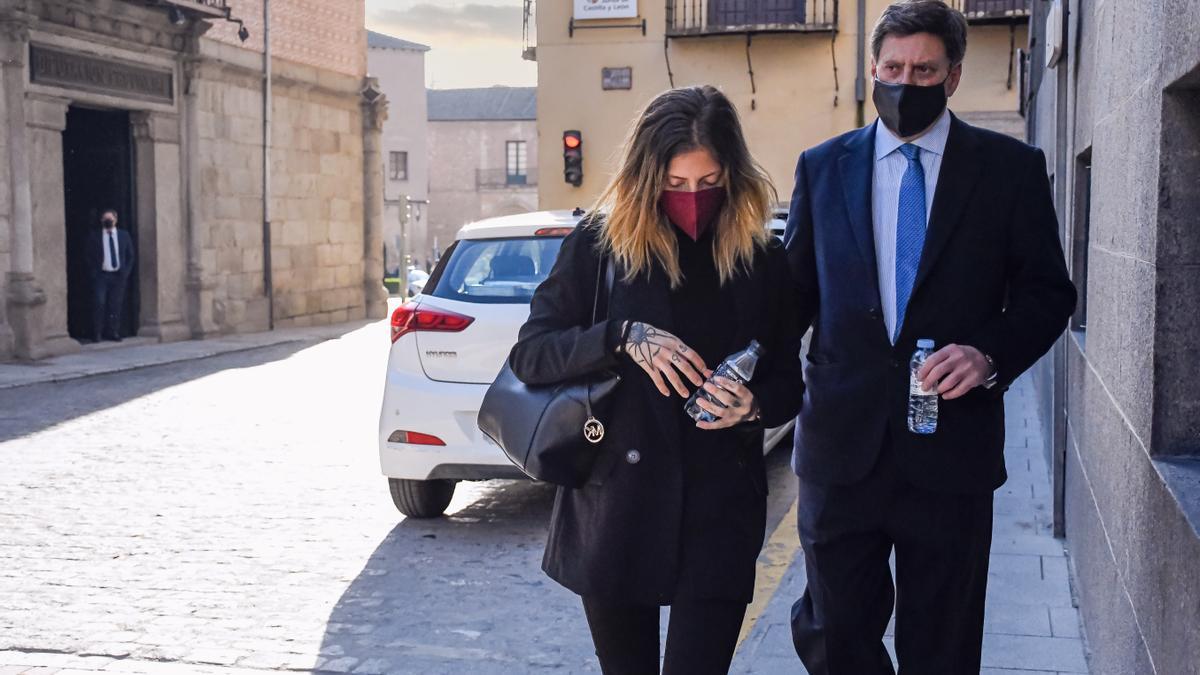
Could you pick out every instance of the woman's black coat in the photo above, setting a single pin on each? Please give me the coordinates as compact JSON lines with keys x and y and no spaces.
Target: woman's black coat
{"x":619,"y":537}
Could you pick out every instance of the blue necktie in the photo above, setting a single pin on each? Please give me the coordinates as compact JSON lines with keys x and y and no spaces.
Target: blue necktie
{"x":910,"y":231}
{"x":112,"y":249}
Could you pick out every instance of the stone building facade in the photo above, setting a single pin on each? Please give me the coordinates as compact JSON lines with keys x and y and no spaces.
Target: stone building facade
{"x":157,"y":109}
{"x":483,"y":150}
{"x":399,"y":65}
{"x":1113,"y":97}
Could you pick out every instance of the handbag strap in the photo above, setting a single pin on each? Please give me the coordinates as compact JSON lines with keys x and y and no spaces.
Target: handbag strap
{"x":605,"y":269}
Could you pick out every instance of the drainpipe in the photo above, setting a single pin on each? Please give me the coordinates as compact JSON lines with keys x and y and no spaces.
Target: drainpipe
{"x":268,"y":283}
{"x":860,"y":78}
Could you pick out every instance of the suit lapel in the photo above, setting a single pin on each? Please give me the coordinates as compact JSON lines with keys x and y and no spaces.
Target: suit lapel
{"x":856,"y":167}
{"x":960,"y":171}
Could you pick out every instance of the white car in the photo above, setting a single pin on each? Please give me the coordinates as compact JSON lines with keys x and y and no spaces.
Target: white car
{"x":448,"y":344}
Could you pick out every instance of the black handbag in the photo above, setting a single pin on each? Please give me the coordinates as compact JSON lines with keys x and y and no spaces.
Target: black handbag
{"x":550,"y":432}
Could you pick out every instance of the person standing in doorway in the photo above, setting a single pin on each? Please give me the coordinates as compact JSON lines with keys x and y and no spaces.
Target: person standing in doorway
{"x":110,"y":260}
{"x":918,"y":226}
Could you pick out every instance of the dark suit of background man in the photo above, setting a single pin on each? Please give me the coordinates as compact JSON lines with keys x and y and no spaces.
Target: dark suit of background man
{"x":916,"y":226}
{"x":110,"y":260}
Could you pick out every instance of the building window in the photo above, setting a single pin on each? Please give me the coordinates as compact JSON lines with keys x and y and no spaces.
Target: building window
{"x":398,"y":166}
{"x":755,"y":12}
{"x":1081,"y":236}
{"x":516,"y":163}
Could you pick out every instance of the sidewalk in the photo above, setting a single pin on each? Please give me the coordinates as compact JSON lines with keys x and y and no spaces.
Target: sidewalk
{"x":1032,"y":625}
{"x":133,"y":353}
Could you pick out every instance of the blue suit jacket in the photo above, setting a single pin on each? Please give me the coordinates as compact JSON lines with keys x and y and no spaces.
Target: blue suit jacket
{"x":95,"y":253}
{"x":992,"y":276}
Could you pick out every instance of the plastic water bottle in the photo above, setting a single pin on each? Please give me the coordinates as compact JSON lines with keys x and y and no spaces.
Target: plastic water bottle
{"x":738,"y":367}
{"x":922,"y":402}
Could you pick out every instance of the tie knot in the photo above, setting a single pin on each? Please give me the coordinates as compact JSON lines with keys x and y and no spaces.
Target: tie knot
{"x":910,"y":151}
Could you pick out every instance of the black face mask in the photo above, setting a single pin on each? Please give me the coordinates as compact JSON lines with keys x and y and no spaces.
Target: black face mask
{"x":909,"y":109}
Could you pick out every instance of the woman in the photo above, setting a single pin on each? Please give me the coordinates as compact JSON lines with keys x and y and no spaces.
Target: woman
{"x":675,"y":510}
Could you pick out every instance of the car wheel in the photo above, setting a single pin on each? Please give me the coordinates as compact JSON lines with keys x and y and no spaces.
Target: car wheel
{"x":421,"y":498}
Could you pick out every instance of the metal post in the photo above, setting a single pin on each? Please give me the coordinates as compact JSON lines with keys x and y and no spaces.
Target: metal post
{"x":268,"y":281}
{"x":860,"y":81}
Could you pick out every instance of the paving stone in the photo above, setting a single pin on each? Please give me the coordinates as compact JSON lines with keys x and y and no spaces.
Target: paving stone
{"x":1015,"y":619}
{"x":1034,"y":653}
{"x":1064,"y":622}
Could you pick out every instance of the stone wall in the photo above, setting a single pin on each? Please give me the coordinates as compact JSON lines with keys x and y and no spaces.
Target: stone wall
{"x":318,"y":33}
{"x":457,"y":150}
{"x":401,"y":74}
{"x":1132,"y":464}
{"x":6,"y":335}
{"x":316,"y":201}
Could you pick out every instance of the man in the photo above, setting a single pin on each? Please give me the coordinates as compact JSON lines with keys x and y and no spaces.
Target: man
{"x":110,"y":260}
{"x":916,"y":226}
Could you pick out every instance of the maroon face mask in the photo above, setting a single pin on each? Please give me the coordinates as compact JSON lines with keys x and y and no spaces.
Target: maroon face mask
{"x":693,"y":212}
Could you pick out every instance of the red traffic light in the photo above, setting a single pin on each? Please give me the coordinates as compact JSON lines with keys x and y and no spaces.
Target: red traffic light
{"x":573,"y":157}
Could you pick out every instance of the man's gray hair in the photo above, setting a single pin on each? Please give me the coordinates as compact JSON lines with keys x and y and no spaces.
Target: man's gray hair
{"x":935,"y":17}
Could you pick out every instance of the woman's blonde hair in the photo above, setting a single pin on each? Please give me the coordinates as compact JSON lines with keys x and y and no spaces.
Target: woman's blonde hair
{"x":635,"y":230}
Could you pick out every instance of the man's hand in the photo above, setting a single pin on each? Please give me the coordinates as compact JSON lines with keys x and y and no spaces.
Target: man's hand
{"x":957,"y":369}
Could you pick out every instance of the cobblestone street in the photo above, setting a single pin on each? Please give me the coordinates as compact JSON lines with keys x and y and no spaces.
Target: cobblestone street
{"x":226,"y":514}
{"x":230,"y":511}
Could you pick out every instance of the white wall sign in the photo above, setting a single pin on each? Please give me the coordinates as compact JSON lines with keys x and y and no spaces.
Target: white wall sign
{"x":606,"y":9}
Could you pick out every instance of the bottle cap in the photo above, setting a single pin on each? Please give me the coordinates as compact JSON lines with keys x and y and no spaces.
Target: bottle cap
{"x":925,"y":344}
{"x":756,"y":348}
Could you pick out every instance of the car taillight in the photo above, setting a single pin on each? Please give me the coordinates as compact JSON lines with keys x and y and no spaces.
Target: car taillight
{"x":410,"y":318}
{"x":414,"y":438}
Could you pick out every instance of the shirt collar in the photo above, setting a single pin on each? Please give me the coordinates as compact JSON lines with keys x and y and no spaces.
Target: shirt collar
{"x":933,"y":141}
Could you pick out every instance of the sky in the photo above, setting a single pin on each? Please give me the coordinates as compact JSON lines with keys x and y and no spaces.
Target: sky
{"x":474,"y":43}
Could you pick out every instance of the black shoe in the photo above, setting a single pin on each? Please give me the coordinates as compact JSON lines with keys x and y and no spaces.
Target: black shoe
{"x":114,"y":338}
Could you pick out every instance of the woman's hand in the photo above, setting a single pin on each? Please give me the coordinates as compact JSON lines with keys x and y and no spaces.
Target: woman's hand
{"x":739,"y":403}
{"x":664,"y":357}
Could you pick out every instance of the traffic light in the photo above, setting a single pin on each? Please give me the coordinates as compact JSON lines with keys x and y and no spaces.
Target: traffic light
{"x":573,"y":157}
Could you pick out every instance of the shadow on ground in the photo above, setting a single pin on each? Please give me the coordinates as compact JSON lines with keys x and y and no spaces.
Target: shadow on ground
{"x":466,"y":594}
{"x":461,"y":594}
{"x":29,"y":409}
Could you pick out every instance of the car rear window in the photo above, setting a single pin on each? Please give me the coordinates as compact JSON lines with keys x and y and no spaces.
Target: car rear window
{"x":495,"y":271}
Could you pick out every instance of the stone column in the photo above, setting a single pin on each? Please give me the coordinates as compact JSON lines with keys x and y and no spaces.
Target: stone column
{"x":374,"y":113}
{"x":161,"y":251}
{"x":198,"y":283}
{"x":46,"y":117}
{"x":6,"y":184}
{"x":25,"y":299}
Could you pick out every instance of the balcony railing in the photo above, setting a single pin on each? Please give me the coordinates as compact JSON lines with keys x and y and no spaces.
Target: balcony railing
{"x":502,"y":178}
{"x":723,"y":17}
{"x":993,"y":11}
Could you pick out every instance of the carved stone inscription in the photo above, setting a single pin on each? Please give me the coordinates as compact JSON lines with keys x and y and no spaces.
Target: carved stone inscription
{"x":71,"y":70}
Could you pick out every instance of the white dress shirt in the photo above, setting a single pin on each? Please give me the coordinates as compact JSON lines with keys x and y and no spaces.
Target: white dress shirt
{"x":890,"y":166}
{"x":109,"y":264}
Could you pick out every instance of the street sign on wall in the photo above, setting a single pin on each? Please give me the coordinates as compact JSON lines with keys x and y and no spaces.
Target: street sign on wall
{"x":605,"y":9}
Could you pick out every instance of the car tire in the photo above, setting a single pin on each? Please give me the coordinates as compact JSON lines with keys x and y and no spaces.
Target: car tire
{"x":421,"y":498}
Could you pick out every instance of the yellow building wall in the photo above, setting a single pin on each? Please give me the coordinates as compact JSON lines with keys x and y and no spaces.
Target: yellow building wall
{"x":799,"y":98}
